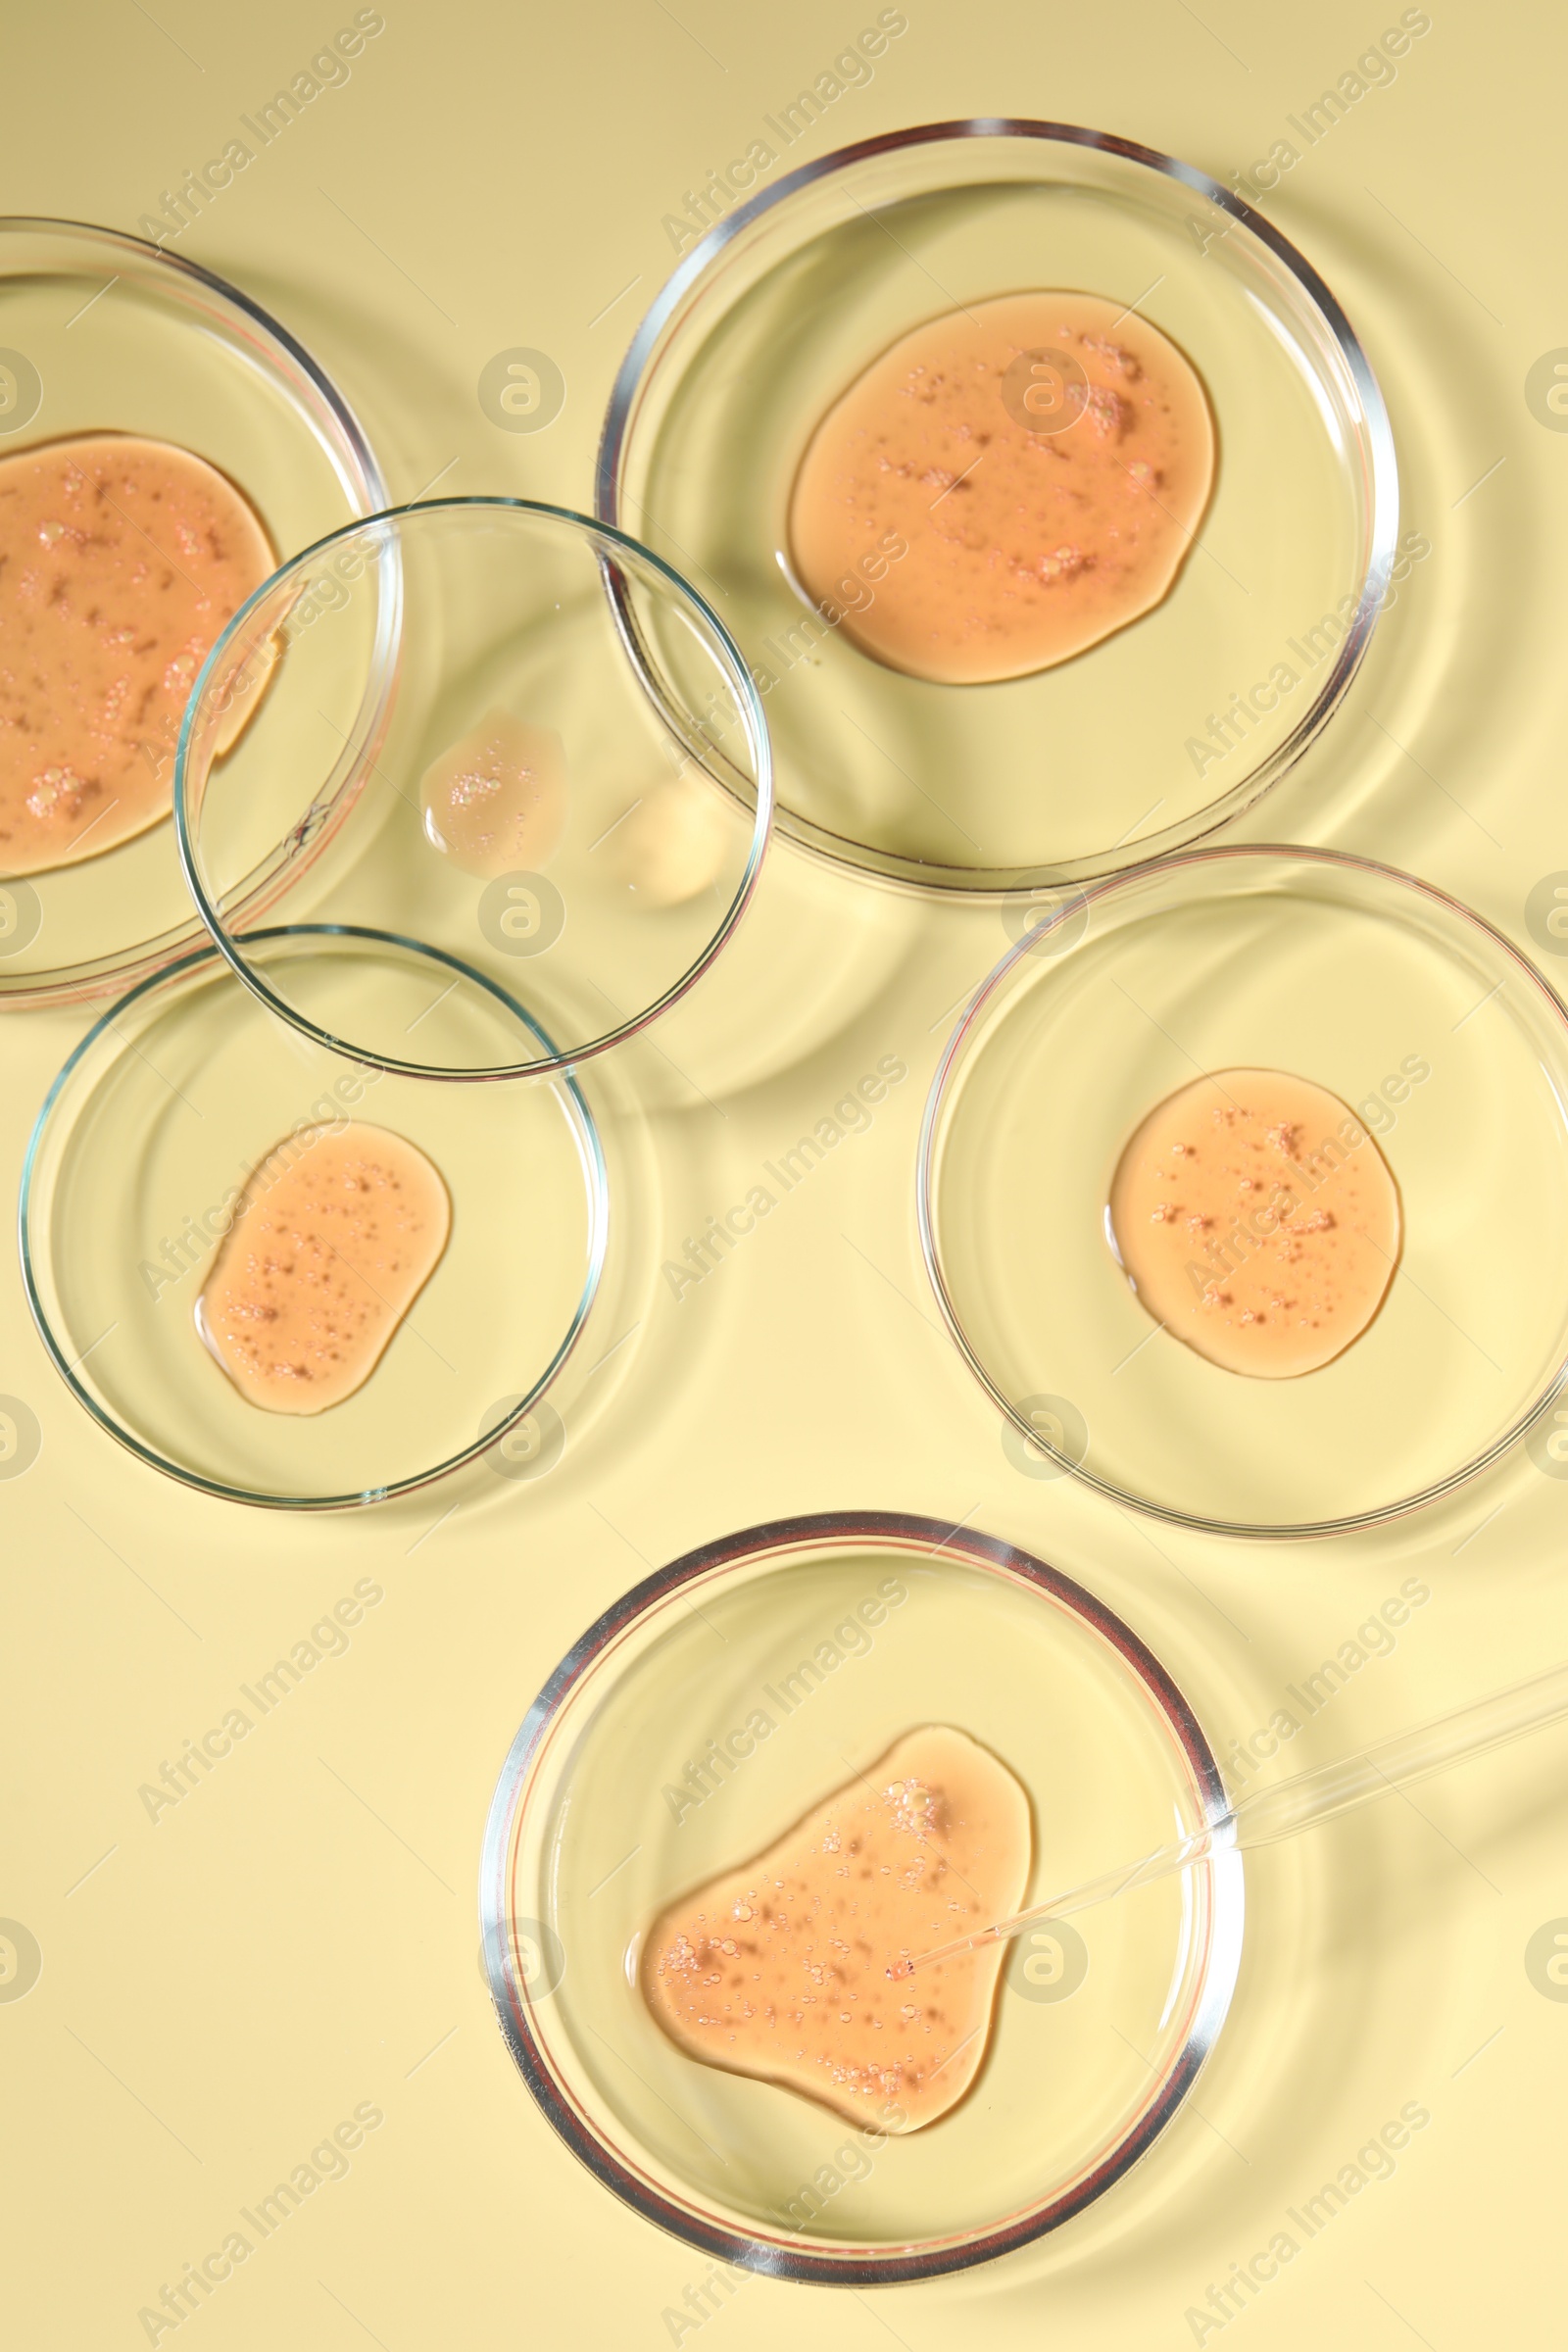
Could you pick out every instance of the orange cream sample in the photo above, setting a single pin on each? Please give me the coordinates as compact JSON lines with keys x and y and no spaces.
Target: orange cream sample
{"x":496,"y":802}
{"x":1257,"y":1221}
{"x":336,"y":1233}
{"x":120,"y":560}
{"x":1044,"y":459}
{"x":782,"y":1968}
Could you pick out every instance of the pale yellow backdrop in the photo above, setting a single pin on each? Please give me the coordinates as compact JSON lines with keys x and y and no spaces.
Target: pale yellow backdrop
{"x":298,"y":1938}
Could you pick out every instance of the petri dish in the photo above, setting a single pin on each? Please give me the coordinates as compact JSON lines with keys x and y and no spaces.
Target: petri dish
{"x":1112,"y":758}
{"x":165,"y":1109}
{"x":1449,"y":1051}
{"x":538,"y":799}
{"x":101,"y":332}
{"x":1101,"y":2028}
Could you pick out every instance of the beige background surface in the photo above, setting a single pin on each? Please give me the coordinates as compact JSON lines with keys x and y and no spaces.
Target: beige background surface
{"x":222,"y":1987}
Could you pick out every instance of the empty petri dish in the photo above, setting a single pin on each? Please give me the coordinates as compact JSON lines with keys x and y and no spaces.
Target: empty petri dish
{"x":1449,"y":1057}
{"x":803,"y":1649}
{"x":1148,"y":739}
{"x":103,"y":335}
{"x":186,"y":1096}
{"x":539,"y":800}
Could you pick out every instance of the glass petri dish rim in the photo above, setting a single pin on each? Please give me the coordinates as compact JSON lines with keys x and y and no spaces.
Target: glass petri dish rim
{"x":1266,"y":1530}
{"x":590,"y":1146}
{"x":358,"y":473}
{"x":637,"y":369}
{"x":776,"y":2255}
{"x":231,"y":946}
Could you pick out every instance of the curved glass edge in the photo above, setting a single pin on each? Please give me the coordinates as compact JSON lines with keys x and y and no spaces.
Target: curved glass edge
{"x":358,"y":474}
{"x":1223,"y":1883}
{"x":1381,"y":491}
{"x":591,"y":1153}
{"x":759,"y":742}
{"x":1263,"y":1531}
{"x":305,"y":842}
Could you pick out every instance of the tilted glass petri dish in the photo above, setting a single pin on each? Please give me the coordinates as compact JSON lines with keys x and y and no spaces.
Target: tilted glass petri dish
{"x":101,"y":332}
{"x":926,"y":1625}
{"x":1451,"y":1053}
{"x":532,"y":800}
{"x":170,"y":1104}
{"x":1136,"y":747}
